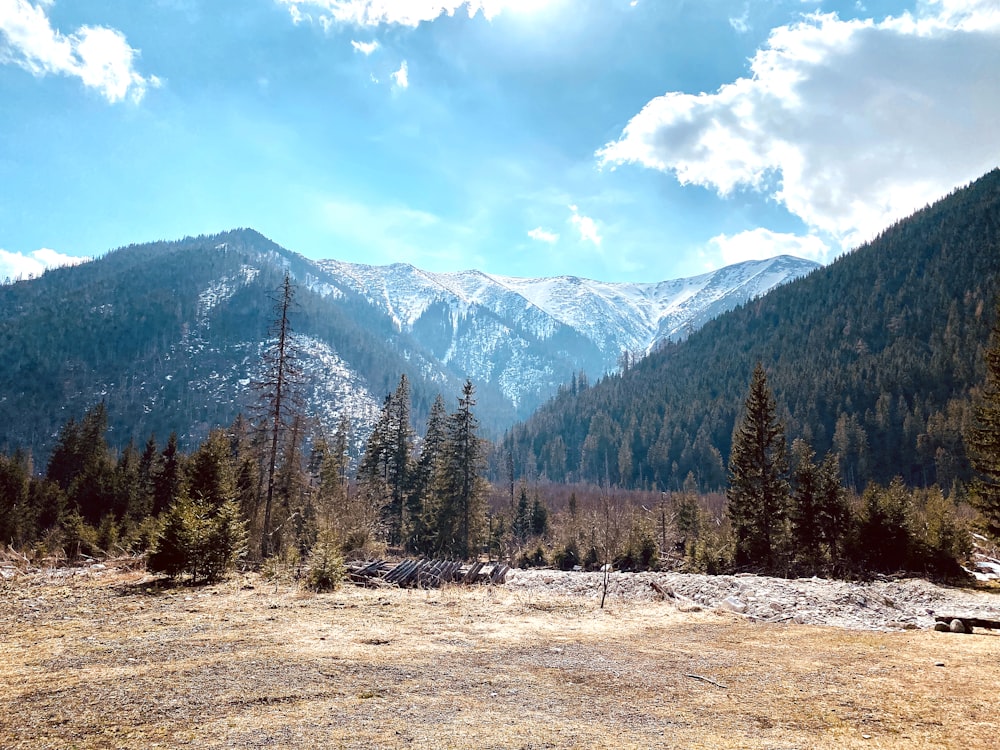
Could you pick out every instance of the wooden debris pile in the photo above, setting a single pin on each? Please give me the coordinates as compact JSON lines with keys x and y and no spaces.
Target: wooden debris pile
{"x":426,"y":574}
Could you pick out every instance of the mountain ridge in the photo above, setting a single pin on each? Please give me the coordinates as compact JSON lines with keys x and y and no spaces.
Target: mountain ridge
{"x":169,"y":334}
{"x":874,"y":357}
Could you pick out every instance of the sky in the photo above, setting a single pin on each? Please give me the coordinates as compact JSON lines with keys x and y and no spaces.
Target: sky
{"x":620,"y":140}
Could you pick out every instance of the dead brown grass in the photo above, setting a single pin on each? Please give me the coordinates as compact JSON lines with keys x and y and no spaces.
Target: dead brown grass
{"x":117,"y":662}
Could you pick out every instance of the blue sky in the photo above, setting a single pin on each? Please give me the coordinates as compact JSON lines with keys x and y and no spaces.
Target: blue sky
{"x":623,"y":140}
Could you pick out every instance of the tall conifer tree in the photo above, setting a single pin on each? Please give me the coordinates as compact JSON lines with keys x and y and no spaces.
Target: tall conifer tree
{"x":983,"y":439}
{"x":459,"y":484}
{"x":758,"y":488}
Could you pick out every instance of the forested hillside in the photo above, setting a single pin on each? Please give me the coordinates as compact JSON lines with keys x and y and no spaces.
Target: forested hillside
{"x":169,"y":336}
{"x":874,"y":357}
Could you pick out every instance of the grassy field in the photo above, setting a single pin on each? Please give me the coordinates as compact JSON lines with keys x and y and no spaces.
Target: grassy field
{"x":111,"y":659}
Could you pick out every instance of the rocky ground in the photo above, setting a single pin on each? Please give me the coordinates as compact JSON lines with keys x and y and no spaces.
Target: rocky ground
{"x":875,"y":605}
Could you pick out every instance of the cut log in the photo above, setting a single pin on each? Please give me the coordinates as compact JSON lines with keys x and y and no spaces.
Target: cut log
{"x":970,"y":622}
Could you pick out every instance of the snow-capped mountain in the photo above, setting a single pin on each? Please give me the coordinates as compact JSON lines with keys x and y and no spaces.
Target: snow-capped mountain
{"x":170,"y":335}
{"x":610,"y":317}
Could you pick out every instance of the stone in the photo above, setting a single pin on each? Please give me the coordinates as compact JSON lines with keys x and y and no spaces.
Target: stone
{"x":941,"y":627}
{"x":733,"y":604}
{"x":956,"y":626}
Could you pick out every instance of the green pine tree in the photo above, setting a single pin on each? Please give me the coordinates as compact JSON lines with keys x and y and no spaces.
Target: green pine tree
{"x":757,"y":497}
{"x":983,"y":440}
{"x":459,"y":525}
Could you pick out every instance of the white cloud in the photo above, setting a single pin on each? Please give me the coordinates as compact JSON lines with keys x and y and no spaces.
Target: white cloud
{"x":740,"y":24}
{"x":402,"y":76}
{"x":758,"y":244}
{"x":389,"y":233}
{"x":543,"y":235}
{"x":586,"y":226}
{"x":100,"y":57}
{"x":399,"y":12}
{"x":849,"y":124}
{"x":16,"y":266}
{"x":365,"y":48}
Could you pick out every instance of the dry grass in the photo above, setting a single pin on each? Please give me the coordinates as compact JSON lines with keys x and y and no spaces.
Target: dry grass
{"x":117,"y":662}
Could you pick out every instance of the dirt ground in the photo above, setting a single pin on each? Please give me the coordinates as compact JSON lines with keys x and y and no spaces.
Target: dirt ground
{"x":109,"y":658}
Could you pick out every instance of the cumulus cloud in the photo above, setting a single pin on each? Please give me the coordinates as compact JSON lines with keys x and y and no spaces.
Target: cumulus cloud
{"x":850,"y":124}
{"x":586,"y":226}
{"x":543,"y":235}
{"x":100,"y":57}
{"x":16,"y":266}
{"x":760,"y":243}
{"x":398,"y":12}
{"x":365,"y":48}
{"x":401,"y":77}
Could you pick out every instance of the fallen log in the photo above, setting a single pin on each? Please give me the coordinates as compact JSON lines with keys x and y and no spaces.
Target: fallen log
{"x":970,"y":622}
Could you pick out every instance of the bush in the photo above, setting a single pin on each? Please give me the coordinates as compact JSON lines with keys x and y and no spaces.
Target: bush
{"x":567,"y":557}
{"x":532,"y":559}
{"x":78,"y":537}
{"x":326,"y":567}
{"x":592,"y":558}
{"x":198,"y":541}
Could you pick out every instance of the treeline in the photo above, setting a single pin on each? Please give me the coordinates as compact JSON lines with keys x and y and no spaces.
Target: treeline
{"x":873,"y":357}
{"x":784,"y":512}
{"x":199,"y":513}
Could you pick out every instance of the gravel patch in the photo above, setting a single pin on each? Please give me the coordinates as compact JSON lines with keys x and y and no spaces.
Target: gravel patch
{"x":875,"y":605}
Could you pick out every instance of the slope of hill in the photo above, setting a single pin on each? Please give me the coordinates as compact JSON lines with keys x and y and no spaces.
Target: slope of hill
{"x":170,"y":335}
{"x":873,"y":356}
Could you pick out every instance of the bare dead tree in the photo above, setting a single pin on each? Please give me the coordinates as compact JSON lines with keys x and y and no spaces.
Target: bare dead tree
{"x":279,"y":396}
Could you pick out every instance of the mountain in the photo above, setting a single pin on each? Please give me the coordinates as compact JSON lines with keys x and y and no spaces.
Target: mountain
{"x":528,"y":336}
{"x":170,"y":335}
{"x":874,"y":356}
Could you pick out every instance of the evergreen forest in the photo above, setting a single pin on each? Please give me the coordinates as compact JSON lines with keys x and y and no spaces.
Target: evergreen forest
{"x":844,"y":424}
{"x":875,"y":357}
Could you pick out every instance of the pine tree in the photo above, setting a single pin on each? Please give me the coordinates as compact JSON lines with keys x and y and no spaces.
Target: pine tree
{"x":806,"y":529}
{"x":386,"y":467}
{"x":421,"y":501}
{"x":399,"y":461}
{"x":168,"y":479}
{"x":15,"y":525}
{"x":983,"y":439}
{"x":521,"y":523}
{"x":149,"y":466}
{"x":460,"y":514}
{"x":757,"y":497}
{"x":204,"y":533}
{"x":835,"y":517}
{"x":539,"y":517}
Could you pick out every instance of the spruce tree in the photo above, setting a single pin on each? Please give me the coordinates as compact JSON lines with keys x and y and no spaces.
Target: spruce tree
{"x":169,"y":476}
{"x":806,"y":529}
{"x":835,"y":517}
{"x":521,"y":523}
{"x":399,"y":461}
{"x":460,"y":518}
{"x":757,"y":496}
{"x":421,"y":499}
{"x":203,"y":533}
{"x":983,"y":439}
